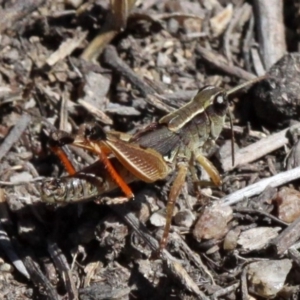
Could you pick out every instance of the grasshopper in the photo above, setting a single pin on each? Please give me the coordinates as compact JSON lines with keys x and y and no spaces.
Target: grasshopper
{"x":175,"y":142}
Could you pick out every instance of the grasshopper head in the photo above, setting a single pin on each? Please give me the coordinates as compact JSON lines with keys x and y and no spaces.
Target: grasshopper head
{"x":206,"y":96}
{"x":217,"y":99}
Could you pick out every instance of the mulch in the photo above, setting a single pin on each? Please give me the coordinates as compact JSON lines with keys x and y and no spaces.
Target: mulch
{"x":124,"y":65}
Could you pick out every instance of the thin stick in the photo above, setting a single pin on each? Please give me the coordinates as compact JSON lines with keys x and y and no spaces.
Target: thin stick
{"x":258,"y":187}
{"x":221,"y":63}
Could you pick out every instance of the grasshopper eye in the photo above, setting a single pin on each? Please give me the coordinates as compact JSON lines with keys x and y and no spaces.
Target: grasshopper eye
{"x":220,"y":103}
{"x":220,"y":99}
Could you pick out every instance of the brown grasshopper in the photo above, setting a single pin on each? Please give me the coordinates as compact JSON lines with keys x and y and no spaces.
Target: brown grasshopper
{"x":175,"y":142}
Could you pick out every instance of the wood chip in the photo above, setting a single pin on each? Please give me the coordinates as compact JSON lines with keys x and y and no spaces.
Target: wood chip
{"x":66,"y":48}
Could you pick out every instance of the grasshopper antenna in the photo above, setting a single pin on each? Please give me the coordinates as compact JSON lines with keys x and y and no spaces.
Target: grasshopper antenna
{"x":232,"y":139}
{"x":245,"y":84}
{"x":232,"y":91}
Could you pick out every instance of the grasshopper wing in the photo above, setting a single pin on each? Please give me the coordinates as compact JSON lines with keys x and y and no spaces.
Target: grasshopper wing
{"x":146,"y":164}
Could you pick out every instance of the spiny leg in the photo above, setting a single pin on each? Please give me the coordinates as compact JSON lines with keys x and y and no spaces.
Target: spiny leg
{"x":55,"y":183}
{"x":60,"y":153}
{"x":115,"y":176}
{"x":174,"y":192}
{"x":91,"y":137}
{"x":82,"y":140}
{"x":60,"y":138}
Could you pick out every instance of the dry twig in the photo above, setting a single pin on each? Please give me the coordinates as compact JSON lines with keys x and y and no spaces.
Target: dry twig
{"x":258,"y":187}
{"x":220,"y":62}
{"x":257,"y":150}
{"x":14,"y":135}
{"x":271,"y":30}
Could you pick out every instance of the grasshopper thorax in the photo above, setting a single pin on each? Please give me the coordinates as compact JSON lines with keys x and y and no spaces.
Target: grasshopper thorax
{"x":205,"y":97}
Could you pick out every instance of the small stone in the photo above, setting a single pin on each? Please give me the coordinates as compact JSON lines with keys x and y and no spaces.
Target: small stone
{"x":231,"y":238}
{"x":184,"y":218}
{"x":266,"y":278}
{"x":257,"y":238}
{"x":212,"y":224}
{"x":158,"y":219}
